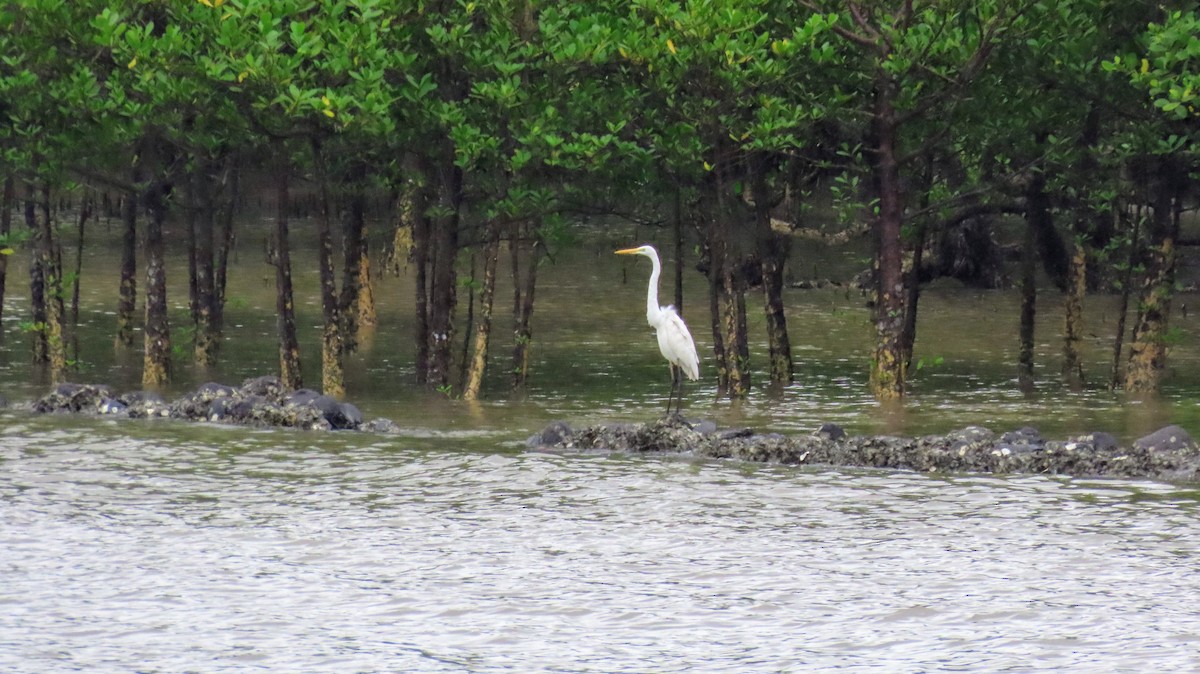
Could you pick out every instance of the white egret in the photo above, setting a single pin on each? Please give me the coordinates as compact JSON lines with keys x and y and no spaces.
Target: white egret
{"x":674,"y":340}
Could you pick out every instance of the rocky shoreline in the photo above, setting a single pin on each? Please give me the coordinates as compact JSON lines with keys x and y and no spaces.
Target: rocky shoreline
{"x":1168,"y":454}
{"x":262,"y":402}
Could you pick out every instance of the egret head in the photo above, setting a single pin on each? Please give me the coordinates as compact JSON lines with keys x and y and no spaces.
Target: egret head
{"x":648,"y":251}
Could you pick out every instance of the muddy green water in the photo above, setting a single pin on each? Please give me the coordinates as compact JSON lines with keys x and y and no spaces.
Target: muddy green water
{"x":162,"y":546}
{"x":595,"y":359}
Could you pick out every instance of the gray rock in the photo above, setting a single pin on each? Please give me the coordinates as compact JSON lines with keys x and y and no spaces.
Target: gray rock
{"x":972,"y":449}
{"x":736,"y":433}
{"x":269,"y":387}
{"x":112,"y":406}
{"x":1102,"y":442}
{"x":260,"y":401}
{"x":348,"y":417}
{"x":340,"y":416}
{"x":145,"y":404}
{"x":1167,"y":439}
{"x":557,"y":433}
{"x":73,"y":398}
{"x":196,"y":405}
{"x":384,"y":426}
{"x":1025,"y":435}
{"x":829,"y":431}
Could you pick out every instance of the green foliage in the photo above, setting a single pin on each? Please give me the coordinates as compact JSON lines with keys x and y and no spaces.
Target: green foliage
{"x":1169,"y":69}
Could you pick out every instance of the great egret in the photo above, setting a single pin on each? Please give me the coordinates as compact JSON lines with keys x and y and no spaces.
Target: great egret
{"x":674,"y":340}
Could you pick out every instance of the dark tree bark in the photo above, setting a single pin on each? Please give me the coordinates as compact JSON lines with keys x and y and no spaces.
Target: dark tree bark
{"x":7,"y":200}
{"x":473,"y":382}
{"x":352,"y":252}
{"x":912,"y":298}
{"x":729,"y":294}
{"x":225,"y":243}
{"x":888,"y":373}
{"x":772,"y":254}
{"x":1077,"y":270}
{"x":127,"y":291}
{"x":1148,"y":348}
{"x":290,"y":371}
{"x":443,"y":277}
{"x":368,"y":317}
{"x":1038,"y":218}
{"x":523,"y":294}
{"x":86,"y":210}
{"x":1072,"y":366}
{"x":207,"y":339}
{"x":49,"y":260}
{"x":333,"y":376}
{"x":1115,"y":378}
{"x":156,"y":360}
{"x":418,"y":219}
{"x":677,"y":227}
{"x":37,"y":281}
{"x":191,"y":211}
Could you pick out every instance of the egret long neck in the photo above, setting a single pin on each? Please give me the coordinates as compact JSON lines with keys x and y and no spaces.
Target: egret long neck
{"x":652,"y":306}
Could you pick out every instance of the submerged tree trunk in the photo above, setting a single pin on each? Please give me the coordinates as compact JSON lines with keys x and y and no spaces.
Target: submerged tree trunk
{"x":156,"y":359}
{"x":1037,"y":218}
{"x":368,"y":317}
{"x":37,"y":281}
{"x":352,"y":252}
{"x":443,"y":278}
{"x":677,"y":227}
{"x":1148,"y":348}
{"x":412,"y":214}
{"x":1115,"y":378}
{"x":1077,"y":269}
{"x":772,"y":254}
{"x":720,"y":356}
{"x":207,"y":340}
{"x":86,"y":209}
{"x":729,"y":295}
{"x":912,"y":298}
{"x":523,"y":295}
{"x":225,"y":244}
{"x":469,"y":323}
{"x":333,"y":375}
{"x":888,"y":373}
{"x":473,"y":382}
{"x":1072,"y":368}
{"x":7,"y":200}
{"x":49,"y":260}
{"x":290,"y":372}
{"x":127,"y":291}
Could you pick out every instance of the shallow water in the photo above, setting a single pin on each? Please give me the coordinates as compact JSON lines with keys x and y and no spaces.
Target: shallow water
{"x":173,"y":547}
{"x":595,"y":359}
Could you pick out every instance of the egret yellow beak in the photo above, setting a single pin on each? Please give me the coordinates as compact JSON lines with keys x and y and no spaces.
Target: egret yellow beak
{"x":629,"y":251}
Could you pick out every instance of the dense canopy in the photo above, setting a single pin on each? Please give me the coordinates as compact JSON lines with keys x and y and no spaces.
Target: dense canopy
{"x":923,"y":123}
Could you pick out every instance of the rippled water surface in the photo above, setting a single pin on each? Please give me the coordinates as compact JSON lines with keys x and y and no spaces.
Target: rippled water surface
{"x":173,"y":547}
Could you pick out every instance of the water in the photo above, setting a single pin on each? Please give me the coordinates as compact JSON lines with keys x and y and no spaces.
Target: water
{"x":595,"y":359}
{"x":173,"y":547}
{"x":164,"y":546}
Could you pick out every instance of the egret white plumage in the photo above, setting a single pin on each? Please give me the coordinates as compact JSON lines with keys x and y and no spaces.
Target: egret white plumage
{"x":674,"y":340}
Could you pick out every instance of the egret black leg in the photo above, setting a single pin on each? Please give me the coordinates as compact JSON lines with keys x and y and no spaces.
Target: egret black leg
{"x":674,"y":383}
{"x":679,"y":400}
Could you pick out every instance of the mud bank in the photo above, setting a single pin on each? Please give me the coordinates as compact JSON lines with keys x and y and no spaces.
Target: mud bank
{"x":1168,"y":454}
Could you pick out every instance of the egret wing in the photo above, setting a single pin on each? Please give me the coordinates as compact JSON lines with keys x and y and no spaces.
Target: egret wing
{"x":676,"y":344}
